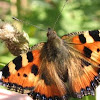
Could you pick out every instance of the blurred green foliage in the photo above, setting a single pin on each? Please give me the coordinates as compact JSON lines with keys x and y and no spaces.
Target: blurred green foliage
{"x":77,"y":15}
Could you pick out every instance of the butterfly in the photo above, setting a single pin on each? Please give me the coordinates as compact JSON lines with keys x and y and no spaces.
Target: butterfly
{"x":57,"y":69}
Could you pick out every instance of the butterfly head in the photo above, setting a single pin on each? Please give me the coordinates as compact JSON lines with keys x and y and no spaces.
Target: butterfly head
{"x":51,"y":33}
{"x":53,"y":39}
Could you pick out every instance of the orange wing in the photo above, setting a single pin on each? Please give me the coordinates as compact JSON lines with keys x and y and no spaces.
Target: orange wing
{"x":84,"y":77}
{"x":22,"y":72}
{"x":23,"y":75}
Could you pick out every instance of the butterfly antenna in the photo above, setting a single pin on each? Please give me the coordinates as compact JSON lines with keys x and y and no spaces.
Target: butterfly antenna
{"x":60,"y":14}
{"x":28,"y":23}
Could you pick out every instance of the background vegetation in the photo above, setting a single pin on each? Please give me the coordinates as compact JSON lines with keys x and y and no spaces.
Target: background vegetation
{"x":77,"y":15}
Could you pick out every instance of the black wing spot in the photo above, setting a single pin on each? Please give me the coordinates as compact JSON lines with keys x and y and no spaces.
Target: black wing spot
{"x":18,"y":74}
{"x":98,"y":50}
{"x":84,"y":63}
{"x":82,"y":38}
{"x":24,"y":75}
{"x":5,"y":71}
{"x":87,"y":52}
{"x":34,"y":69}
{"x":95,"y":35}
{"x":18,"y":62}
{"x":30,"y":56}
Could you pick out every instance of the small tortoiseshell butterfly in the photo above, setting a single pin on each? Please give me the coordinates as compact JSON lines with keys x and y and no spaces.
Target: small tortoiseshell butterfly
{"x":57,"y":69}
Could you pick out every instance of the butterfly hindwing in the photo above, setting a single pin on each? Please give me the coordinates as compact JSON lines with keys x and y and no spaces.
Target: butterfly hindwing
{"x":85,"y":76}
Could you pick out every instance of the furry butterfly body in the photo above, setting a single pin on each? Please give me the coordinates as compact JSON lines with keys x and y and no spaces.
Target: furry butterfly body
{"x":57,"y":69}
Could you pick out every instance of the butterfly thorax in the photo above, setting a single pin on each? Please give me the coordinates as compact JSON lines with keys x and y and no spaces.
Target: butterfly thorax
{"x":54,"y":48}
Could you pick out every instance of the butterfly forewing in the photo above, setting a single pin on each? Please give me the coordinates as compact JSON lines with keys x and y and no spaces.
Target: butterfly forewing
{"x":87,"y":43}
{"x":84,"y":72}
